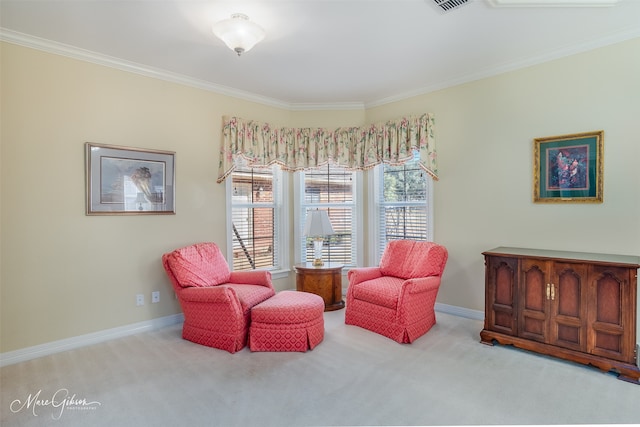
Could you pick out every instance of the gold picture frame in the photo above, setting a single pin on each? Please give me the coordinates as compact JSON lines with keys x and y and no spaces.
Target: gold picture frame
{"x":569,"y":168}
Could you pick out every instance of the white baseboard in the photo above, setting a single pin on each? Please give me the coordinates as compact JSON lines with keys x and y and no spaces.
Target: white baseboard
{"x":459,"y":311}
{"x":29,"y":353}
{"x":24,"y":354}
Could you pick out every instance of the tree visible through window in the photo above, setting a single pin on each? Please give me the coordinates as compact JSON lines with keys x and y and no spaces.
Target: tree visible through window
{"x":403,"y":204}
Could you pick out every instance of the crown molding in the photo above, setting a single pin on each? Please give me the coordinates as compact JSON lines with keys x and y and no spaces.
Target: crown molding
{"x":329,"y":107}
{"x":49,"y":46}
{"x":561,"y":52}
{"x":73,"y":52}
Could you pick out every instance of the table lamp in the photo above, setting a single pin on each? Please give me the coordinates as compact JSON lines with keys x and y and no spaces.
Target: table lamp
{"x":317,"y":226}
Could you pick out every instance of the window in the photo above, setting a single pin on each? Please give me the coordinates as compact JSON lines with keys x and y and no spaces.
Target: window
{"x":402,"y":204}
{"x":334,"y":189}
{"x":257,"y":216}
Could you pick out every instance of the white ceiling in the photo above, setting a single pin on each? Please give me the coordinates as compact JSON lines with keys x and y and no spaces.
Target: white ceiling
{"x":317,"y":52}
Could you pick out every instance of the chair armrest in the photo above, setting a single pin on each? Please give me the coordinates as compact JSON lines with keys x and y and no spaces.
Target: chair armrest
{"x":357,"y":275}
{"x":422,"y":284}
{"x":252,"y":277}
{"x":214,"y":294}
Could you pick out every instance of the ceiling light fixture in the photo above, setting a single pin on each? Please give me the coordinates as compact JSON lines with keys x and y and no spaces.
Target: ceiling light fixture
{"x":239,"y":33}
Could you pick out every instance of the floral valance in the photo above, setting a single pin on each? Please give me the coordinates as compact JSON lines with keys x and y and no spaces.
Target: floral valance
{"x":259,"y":144}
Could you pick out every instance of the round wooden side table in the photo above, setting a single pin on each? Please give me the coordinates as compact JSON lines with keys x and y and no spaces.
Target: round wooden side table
{"x":325,"y":281}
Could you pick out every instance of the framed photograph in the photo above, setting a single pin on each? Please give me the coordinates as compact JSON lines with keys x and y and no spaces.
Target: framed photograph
{"x":129,"y":181}
{"x":568,"y":168}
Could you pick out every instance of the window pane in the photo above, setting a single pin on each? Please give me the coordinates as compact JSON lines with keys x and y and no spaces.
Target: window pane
{"x":331,"y":188}
{"x":253,"y":223}
{"x":404,"y":183}
{"x":328,"y":185}
{"x":405,"y":222}
{"x":253,"y":242}
{"x":262,"y":189}
{"x":403,"y":209}
{"x":253,"y":186}
{"x":339,"y":246}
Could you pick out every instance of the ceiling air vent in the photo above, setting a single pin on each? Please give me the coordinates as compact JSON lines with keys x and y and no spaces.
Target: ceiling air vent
{"x":449,"y":5}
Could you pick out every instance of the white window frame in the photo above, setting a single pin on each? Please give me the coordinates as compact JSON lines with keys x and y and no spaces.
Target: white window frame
{"x":299,"y":213}
{"x":373,"y":207}
{"x":281,"y":220}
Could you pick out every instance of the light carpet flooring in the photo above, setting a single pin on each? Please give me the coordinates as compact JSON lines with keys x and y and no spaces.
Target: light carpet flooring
{"x":354,"y":377}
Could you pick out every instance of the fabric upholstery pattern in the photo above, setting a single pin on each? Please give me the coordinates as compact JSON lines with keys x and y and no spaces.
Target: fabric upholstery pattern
{"x":397,"y":299}
{"x":289,"y":321}
{"x":201,"y":264}
{"x":216,"y":315}
{"x":382,"y":291}
{"x":410,"y":259}
{"x":248,"y":295}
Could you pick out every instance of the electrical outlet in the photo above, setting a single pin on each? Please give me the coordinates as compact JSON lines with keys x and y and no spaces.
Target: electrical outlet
{"x":155,"y":296}
{"x":139,"y":299}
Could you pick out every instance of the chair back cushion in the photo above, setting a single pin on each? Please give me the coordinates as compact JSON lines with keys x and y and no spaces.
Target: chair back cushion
{"x":410,"y":259}
{"x":201,"y":264}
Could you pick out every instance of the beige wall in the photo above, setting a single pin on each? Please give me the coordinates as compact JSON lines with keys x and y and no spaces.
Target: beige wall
{"x":64,"y":274}
{"x":485,"y":132}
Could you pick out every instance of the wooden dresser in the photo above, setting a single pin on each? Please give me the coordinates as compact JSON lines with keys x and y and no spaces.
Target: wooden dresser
{"x":571,"y":305}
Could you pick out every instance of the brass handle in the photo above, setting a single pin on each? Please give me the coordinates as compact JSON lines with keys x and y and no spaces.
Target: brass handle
{"x":553,"y":292}
{"x":548,"y":290}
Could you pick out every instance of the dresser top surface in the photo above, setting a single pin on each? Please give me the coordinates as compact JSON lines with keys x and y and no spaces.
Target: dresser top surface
{"x":630,"y":260}
{"x":327,"y":266}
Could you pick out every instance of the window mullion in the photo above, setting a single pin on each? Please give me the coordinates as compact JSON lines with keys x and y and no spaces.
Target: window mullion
{"x":253,"y":199}
{"x":403,"y":204}
{"x":332,"y":189}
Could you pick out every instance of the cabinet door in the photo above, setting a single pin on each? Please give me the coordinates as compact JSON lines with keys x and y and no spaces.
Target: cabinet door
{"x":533,"y":304}
{"x":568,"y":309}
{"x":611,"y":312}
{"x":501,"y":291}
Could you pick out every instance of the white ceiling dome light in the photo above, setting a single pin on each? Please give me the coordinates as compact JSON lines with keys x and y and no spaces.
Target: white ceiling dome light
{"x":239,"y":33}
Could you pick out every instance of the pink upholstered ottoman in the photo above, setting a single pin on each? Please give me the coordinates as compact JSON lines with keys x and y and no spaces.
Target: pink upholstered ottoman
{"x":288,"y":321}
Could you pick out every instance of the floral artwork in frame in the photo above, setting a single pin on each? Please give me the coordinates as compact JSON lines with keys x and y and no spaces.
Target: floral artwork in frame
{"x":129,"y":181}
{"x":569,"y":168}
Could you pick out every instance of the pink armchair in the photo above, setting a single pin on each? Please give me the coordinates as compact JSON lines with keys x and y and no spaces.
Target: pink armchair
{"x":397,"y":298}
{"x":216,"y":302}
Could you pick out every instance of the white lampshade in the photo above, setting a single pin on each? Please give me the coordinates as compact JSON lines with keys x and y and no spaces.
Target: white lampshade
{"x":239,"y":33}
{"x":318,"y":224}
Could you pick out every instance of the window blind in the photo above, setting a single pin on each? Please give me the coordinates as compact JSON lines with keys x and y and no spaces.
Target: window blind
{"x":254,"y":223}
{"x":330,"y":188}
{"x":402,"y":209}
